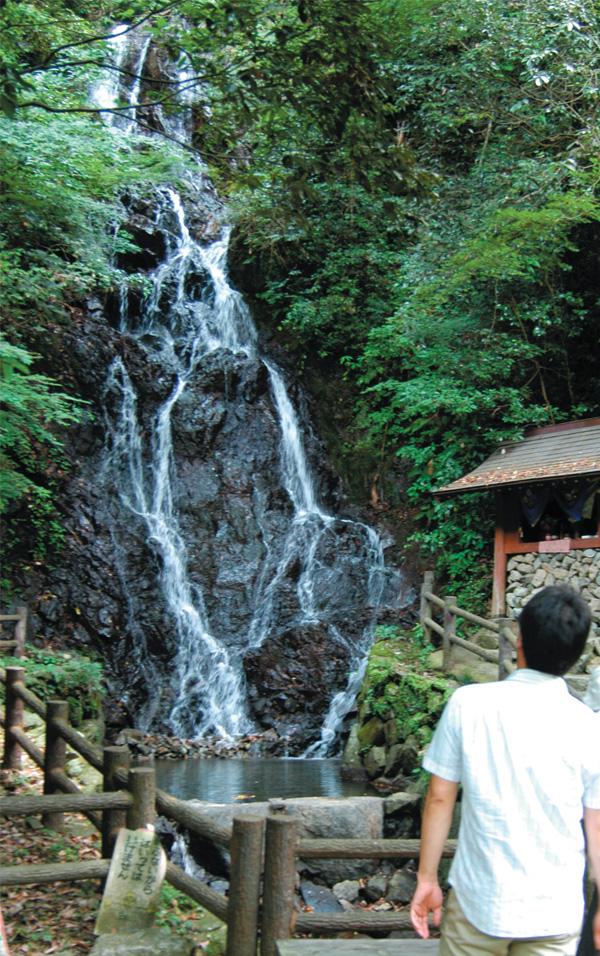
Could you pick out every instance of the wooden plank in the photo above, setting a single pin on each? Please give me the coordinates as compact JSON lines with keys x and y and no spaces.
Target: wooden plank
{"x":67,"y":785}
{"x":200,"y":892}
{"x":63,"y":803}
{"x":434,"y":598}
{"x":433,"y":626}
{"x":53,"y":872}
{"x":33,"y":702}
{"x":27,"y":745}
{"x":357,"y":921}
{"x":474,"y":619}
{"x":181,"y":812}
{"x":190,"y":817}
{"x":93,"y":755}
{"x":357,"y":947}
{"x":487,"y":655}
{"x":386,"y":849}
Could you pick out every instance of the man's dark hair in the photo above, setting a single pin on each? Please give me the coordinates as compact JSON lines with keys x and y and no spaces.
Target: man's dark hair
{"x":554,"y":626}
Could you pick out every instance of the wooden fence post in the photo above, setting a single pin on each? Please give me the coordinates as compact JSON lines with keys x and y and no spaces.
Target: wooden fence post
{"x":54,"y":757}
{"x":449,"y":632}
{"x":506,"y":649}
{"x":14,"y":718}
{"x":279,"y":882}
{"x":426,"y":606}
{"x":20,"y":632}
{"x":141,"y":783}
{"x":114,"y":759}
{"x":244,"y":888}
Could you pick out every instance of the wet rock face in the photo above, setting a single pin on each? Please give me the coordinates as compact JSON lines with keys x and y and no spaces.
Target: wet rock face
{"x":106,"y":594}
{"x":291,"y":679}
{"x":234,"y":514}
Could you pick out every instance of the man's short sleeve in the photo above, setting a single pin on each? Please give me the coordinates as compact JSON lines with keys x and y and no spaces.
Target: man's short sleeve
{"x":444,"y":754}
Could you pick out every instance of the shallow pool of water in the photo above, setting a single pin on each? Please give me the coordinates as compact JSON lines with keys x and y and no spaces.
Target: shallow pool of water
{"x":246,"y":780}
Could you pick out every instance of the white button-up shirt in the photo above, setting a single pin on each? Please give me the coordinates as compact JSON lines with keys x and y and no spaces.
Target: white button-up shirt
{"x":527,"y":754}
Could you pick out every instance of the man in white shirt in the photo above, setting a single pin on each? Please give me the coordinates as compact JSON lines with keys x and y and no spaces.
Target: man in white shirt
{"x":527,"y":755}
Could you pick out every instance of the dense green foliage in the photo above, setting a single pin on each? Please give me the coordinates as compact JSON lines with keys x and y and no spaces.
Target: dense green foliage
{"x":61,"y":175}
{"x":29,"y":449}
{"x":397,"y":685}
{"x":61,"y":676}
{"x":415,"y":187}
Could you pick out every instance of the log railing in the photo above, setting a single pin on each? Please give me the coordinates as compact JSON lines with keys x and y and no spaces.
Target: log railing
{"x":258,"y":848}
{"x":281,"y":918}
{"x":447,"y":608}
{"x":15,"y":644}
{"x":130,"y":798}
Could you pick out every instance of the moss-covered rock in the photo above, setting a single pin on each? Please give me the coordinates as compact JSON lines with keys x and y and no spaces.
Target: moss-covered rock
{"x":399,"y":705}
{"x":370,"y":733}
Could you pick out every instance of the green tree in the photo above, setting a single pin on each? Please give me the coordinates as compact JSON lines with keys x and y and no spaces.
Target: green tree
{"x":31,"y":409}
{"x":62,"y":176}
{"x":416,"y":187}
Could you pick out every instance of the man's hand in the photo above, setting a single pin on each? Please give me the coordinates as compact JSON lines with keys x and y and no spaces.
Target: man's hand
{"x":437,"y":817}
{"x":427,"y":899}
{"x":591,"y":819}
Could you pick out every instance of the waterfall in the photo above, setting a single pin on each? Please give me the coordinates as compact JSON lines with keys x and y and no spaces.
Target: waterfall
{"x":187,"y":319}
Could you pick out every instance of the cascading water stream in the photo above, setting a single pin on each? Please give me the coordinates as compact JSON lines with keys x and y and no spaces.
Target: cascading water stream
{"x":188,"y":313}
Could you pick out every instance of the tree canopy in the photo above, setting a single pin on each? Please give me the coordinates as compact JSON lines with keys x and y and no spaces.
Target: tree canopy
{"x":415,"y":191}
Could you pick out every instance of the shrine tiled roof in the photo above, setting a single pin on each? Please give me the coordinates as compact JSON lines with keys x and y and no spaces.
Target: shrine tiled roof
{"x":568,"y":450}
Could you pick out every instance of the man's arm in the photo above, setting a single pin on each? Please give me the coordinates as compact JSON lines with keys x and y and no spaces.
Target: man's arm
{"x":591,"y":819}
{"x":437,"y":817}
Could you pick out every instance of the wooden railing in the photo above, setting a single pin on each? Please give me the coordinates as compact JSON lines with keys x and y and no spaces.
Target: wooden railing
{"x":130,"y":798}
{"x":15,"y":644}
{"x":447,"y":609}
{"x":259,"y":848}
{"x":281,"y":918}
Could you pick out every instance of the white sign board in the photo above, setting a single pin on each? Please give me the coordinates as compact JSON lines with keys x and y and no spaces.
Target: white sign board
{"x":133,"y":885}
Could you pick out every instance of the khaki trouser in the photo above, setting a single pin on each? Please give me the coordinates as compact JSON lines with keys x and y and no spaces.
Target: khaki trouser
{"x":461,"y":938}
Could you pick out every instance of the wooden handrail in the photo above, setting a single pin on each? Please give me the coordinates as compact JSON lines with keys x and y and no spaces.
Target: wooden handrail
{"x":191,"y":818}
{"x":366,"y":921}
{"x":475,"y":619}
{"x":486,"y":654}
{"x":434,"y":626}
{"x":93,"y":755}
{"x":510,"y":637}
{"x":64,"y":803}
{"x":198,"y":891}
{"x":27,"y":745}
{"x":434,"y":598}
{"x":365,"y":849}
{"x":28,"y":697}
{"x":447,"y":630}
{"x":26,"y":873}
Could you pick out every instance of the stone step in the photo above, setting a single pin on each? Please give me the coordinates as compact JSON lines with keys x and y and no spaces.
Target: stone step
{"x":357,"y":947}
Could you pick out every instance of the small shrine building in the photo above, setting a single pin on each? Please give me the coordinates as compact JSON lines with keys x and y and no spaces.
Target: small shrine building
{"x":547,"y":490}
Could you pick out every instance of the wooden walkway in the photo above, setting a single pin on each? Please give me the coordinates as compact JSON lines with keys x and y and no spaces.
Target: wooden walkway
{"x":357,"y":947}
